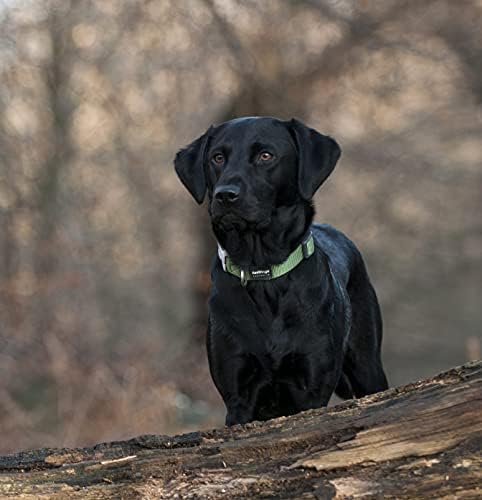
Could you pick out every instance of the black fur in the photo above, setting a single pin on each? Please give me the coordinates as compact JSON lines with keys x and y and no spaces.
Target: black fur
{"x":281,"y":346}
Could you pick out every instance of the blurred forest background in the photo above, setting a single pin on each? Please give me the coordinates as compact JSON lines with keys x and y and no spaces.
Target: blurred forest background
{"x":104,"y":256}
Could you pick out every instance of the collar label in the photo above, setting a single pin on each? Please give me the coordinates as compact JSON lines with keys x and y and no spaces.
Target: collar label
{"x":261,"y":274}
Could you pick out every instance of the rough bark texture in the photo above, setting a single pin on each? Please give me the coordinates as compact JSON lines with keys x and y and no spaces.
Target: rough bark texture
{"x":422,"y":440}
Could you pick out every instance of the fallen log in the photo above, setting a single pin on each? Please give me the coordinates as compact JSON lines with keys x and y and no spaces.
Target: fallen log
{"x":422,"y":440}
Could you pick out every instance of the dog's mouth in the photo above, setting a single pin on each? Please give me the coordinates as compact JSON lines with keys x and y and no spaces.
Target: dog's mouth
{"x":230,"y":220}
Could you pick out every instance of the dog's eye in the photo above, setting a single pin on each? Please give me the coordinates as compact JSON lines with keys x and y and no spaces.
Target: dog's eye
{"x":265,"y":156}
{"x":218,"y":158}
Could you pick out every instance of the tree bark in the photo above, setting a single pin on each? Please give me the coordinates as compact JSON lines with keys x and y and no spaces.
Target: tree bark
{"x":422,"y":440}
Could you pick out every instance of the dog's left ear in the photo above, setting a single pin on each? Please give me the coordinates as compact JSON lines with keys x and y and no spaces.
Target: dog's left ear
{"x":317,"y":157}
{"x":189,"y":165}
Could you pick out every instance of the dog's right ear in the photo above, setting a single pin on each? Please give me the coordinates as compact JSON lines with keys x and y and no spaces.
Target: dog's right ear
{"x":189,"y":165}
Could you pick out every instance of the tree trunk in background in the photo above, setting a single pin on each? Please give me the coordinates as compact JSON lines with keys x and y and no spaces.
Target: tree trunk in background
{"x":47,"y":203}
{"x":422,"y":440}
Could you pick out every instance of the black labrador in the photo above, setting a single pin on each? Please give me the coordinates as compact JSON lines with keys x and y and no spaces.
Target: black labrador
{"x":293,"y":316}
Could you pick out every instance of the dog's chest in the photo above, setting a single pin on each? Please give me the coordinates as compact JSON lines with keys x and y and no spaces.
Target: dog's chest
{"x":271,"y":319}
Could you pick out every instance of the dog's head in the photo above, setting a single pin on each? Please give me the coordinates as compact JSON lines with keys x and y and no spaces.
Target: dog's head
{"x":250,"y":166}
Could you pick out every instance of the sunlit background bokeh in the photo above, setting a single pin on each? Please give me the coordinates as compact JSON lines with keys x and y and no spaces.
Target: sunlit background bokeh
{"x":104,"y":257}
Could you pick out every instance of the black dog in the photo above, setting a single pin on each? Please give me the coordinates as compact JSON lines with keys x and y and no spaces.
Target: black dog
{"x":293,"y":315}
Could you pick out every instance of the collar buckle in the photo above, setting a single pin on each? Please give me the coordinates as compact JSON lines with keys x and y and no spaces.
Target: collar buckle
{"x":304,"y":246}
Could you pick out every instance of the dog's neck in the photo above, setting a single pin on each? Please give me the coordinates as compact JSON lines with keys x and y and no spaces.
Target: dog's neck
{"x":253,"y":247}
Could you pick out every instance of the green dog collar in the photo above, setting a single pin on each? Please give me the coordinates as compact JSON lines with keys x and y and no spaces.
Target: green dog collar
{"x":301,"y":252}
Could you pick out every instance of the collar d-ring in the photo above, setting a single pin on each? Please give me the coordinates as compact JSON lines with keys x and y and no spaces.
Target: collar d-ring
{"x":244,"y":277}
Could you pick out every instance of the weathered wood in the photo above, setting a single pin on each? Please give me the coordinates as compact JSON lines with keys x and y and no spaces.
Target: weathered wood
{"x":422,"y":440}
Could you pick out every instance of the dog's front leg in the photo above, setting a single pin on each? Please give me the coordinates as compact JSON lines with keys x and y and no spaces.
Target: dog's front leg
{"x":239,"y":411}
{"x":242,"y":397}
{"x":239,"y":381}
{"x":314,"y":379}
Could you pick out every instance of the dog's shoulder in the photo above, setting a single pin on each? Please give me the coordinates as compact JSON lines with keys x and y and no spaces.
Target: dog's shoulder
{"x":341,"y":252}
{"x":326,"y":235}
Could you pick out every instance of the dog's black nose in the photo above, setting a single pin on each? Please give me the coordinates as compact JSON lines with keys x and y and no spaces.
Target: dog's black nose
{"x":228,"y":193}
